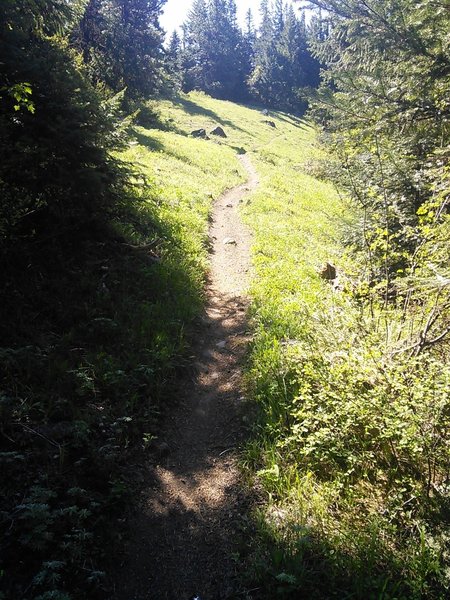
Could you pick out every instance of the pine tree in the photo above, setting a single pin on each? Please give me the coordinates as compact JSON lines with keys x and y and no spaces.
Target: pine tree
{"x":225,"y":62}
{"x":279,"y":10}
{"x":122,"y":44}
{"x":215,"y":53}
{"x":248,"y":46}
{"x":195,"y":58}
{"x":262,"y":77}
{"x":174,"y":60}
{"x":54,"y":156}
{"x":282,"y":59}
{"x":385,"y":101}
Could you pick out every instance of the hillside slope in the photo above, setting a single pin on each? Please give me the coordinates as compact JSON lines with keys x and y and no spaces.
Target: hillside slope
{"x":350,"y":444}
{"x":298,"y":459}
{"x":195,"y":497}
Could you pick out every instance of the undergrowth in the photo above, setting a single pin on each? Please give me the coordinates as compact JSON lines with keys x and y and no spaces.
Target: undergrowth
{"x":351,"y":448}
{"x":93,"y":332}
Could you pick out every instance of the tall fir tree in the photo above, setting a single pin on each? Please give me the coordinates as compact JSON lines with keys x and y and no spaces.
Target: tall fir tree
{"x":122,"y":44}
{"x":248,"y":46}
{"x":53,"y":156}
{"x":174,"y":60}
{"x":195,"y":57}
{"x":215,"y":52}
{"x":270,"y":65}
{"x":283,"y":64}
{"x":262,"y":76}
{"x":279,"y":10}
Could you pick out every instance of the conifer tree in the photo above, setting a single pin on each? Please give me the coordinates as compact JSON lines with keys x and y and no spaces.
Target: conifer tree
{"x":279,"y":9}
{"x":214,"y":56}
{"x":283,"y":63}
{"x":269,"y":65}
{"x":262,"y":77}
{"x":195,"y":55}
{"x":385,"y":102}
{"x":122,"y":43}
{"x":53,"y":156}
{"x":174,"y":59}
{"x":248,"y":45}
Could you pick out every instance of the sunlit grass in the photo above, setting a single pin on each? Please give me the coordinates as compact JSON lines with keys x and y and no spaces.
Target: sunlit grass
{"x":332,"y":523}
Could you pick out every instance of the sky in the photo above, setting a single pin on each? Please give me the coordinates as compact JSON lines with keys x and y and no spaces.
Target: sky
{"x":175,"y":12}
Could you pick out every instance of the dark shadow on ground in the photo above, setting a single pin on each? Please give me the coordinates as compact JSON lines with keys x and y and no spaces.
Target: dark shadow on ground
{"x":156,"y":146}
{"x":293,"y":120}
{"x":205,"y":529}
{"x":86,"y":300}
{"x":192,"y":108}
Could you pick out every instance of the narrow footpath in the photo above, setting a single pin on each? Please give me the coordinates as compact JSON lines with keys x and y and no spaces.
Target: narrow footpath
{"x":190,"y":520}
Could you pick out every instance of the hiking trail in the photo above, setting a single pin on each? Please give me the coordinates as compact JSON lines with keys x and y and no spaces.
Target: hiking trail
{"x":188,"y":521}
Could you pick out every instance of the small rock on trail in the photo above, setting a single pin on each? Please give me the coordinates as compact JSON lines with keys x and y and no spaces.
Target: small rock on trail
{"x":229,"y":242}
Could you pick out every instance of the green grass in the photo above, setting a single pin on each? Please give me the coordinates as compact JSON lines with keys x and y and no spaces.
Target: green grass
{"x":346,"y":436}
{"x":348,"y":450}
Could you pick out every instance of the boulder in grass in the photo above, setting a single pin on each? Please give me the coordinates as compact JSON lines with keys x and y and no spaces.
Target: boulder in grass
{"x":271,"y":124}
{"x":199,"y":133}
{"x":219,"y":131}
{"x":328,"y":272}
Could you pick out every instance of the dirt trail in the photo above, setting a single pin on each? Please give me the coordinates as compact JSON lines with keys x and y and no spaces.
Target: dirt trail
{"x":190,"y":520}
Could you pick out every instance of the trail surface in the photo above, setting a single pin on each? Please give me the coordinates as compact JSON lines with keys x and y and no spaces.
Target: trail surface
{"x":190,"y":519}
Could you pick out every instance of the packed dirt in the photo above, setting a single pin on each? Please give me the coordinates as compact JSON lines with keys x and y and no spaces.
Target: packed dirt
{"x":190,"y":520}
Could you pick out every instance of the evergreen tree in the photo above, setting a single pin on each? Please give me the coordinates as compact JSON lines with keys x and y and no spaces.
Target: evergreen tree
{"x":174,"y":60}
{"x":53,"y":157}
{"x":250,"y":30}
{"x":270,"y":65}
{"x":195,"y":55}
{"x":385,"y":103}
{"x":248,"y":46}
{"x":283,"y":64}
{"x":262,"y":77}
{"x":215,"y":51}
{"x":278,"y":18}
{"x":122,"y":43}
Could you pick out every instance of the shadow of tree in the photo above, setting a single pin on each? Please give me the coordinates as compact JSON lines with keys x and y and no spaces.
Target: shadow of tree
{"x":157,"y":146}
{"x":192,"y":108}
{"x":193,"y":524}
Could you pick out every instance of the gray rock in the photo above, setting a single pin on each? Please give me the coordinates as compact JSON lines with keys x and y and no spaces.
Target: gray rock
{"x":271,"y":124}
{"x":199,"y":133}
{"x":219,"y":132}
{"x":328,"y":272}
